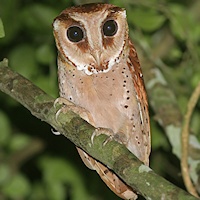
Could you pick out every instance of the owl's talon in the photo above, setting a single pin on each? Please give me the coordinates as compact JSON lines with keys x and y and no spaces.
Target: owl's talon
{"x":66,"y":104}
{"x":99,"y":131}
{"x":94,"y":134}
{"x":69,"y":106}
{"x":58,"y":113}
{"x":110,"y":138}
{"x":62,"y":101}
{"x":55,"y":132}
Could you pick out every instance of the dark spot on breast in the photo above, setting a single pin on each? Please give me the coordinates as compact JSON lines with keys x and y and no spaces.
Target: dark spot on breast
{"x":127,"y":91}
{"x":106,"y":171}
{"x":128,"y":98}
{"x":126,"y":106}
{"x":124,"y":85}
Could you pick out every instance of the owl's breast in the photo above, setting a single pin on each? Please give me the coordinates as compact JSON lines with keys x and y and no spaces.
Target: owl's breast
{"x":110,"y":98}
{"x":107,"y":96}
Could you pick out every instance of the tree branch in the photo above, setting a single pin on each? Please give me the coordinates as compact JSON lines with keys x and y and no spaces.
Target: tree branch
{"x":114,"y":155}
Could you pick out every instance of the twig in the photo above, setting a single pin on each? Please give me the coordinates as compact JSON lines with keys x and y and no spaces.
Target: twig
{"x":185,"y":141}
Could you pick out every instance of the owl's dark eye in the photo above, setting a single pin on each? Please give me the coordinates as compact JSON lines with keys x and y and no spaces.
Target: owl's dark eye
{"x":110,"y":28}
{"x":75,"y":34}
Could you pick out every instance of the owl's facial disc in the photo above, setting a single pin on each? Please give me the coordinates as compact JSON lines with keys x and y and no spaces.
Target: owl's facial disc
{"x":77,"y":36}
{"x":92,"y":41}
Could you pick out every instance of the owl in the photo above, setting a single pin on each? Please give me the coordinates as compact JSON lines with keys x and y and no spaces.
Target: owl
{"x":99,"y":71}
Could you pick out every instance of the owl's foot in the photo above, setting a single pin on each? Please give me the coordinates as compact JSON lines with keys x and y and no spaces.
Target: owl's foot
{"x":111,"y":136}
{"x":108,"y":132}
{"x":69,"y":106}
{"x":55,"y":132}
{"x":116,"y":137}
{"x":100,"y":131}
{"x":62,"y":101}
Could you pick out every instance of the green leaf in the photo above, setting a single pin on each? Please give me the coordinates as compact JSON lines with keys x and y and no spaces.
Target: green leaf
{"x":9,"y":12}
{"x":2,"y":32}
{"x":45,"y":54}
{"x":158,"y":140}
{"x":38,"y":17}
{"x":184,"y":28}
{"x":177,"y":20}
{"x":39,"y":191}
{"x":4,"y":173}
{"x":22,"y":59}
{"x":146,"y":19}
{"x":19,"y":141}
{"x":57,"y":191}
{"x":17,"y":188}
{"x":58,"y":172}
{"x":48,"y":84}
{"x":5,"y":129}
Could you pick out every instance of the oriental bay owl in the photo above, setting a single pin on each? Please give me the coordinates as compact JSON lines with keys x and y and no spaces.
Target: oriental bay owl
{"x":99,"y":71}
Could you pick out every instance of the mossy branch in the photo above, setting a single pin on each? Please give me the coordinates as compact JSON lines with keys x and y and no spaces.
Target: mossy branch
{"x":114,"y":155}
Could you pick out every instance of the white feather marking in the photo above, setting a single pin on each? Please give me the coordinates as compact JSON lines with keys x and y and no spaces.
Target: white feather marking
{"x":140,"y":110}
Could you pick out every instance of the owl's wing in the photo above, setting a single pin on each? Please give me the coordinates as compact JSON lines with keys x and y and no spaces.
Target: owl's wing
{"x":137,"y":77}
{"x":107,"y":175}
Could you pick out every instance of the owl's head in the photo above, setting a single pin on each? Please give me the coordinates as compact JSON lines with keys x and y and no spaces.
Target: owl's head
{"x":92,"y":37}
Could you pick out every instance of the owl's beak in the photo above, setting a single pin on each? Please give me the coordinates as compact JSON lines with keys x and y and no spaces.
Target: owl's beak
{"x":97,"y":56}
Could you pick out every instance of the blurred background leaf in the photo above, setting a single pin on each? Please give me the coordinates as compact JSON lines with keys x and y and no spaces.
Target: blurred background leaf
{"x":34,"y":163}
{"x":2,"y":33}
